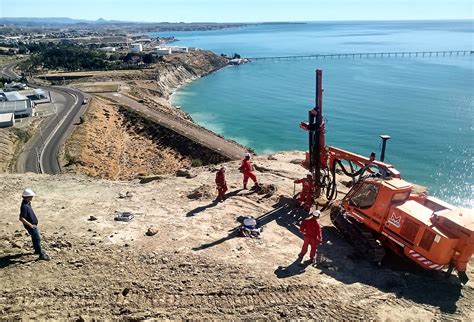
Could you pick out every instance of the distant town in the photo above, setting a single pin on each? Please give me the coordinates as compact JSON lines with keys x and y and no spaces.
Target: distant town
{"x":31,"y":47}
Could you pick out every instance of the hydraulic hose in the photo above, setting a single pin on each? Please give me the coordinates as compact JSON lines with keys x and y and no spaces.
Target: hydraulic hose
{"x":331,"y":191}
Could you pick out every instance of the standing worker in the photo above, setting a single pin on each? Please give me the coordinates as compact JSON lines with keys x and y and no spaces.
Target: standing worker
{"x":306,"y":194}
{"x":30,"y":222}
{"x":311,"y":230}
{"x":221,"y":184}
{"x":246,"y":169}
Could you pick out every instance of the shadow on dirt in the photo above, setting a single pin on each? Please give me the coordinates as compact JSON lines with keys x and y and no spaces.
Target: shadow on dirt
{"x":295,"y":268}
{"x":8,"y":260}
{"x":214,"y":203}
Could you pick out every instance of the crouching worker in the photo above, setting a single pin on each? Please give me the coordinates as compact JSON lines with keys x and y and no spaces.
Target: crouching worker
{"x":306,"y":194}
{"x":221,"y":184}
{"x":311,"y":230}
{"x":30,"y":222}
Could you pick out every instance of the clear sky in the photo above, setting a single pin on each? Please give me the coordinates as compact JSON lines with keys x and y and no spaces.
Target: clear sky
{"x":240,"y":10}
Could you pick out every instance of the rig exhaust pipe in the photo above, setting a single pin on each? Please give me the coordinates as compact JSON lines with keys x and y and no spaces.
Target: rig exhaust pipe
{"x":384,"y":138}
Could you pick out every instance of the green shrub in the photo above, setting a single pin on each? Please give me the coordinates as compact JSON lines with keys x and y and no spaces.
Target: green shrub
{"x":23,"y":135}
{"x":196,"y":163}
{"x":71,"y":159}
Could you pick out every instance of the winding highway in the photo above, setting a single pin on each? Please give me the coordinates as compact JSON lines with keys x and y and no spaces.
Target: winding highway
{"x":40,"y":154}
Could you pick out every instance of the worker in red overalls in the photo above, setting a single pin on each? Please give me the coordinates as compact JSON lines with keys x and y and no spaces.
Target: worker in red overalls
{"x":306,"y":195}
{"x":221,"y":184}
{"x":311,"y":230}
{"x":246,"y":169}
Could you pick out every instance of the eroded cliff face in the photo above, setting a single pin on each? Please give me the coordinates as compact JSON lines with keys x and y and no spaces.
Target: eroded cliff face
{"x":108,"y":145}
{"x":180,"y":69}
{"x":115,"y":142}
{"x":156,"y":86}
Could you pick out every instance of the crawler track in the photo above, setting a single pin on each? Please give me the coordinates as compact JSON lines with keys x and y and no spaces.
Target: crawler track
{"x":362,"y":239}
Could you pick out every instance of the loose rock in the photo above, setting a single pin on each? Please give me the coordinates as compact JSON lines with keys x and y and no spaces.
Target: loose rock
{"x":152,"y":231}
{"x":202,"y":192}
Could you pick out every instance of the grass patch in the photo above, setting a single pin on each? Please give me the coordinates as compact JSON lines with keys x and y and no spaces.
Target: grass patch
{"x":196,"y":163}
{"x":71,"y":159}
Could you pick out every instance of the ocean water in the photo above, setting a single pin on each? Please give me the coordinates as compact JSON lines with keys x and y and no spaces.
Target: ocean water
{"x":424,"y":104}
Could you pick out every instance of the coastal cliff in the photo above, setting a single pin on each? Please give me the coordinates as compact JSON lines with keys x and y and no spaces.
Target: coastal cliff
{"x":117,"y":142}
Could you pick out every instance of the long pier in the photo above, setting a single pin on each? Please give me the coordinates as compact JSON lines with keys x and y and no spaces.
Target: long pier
{"x":399,"y":54}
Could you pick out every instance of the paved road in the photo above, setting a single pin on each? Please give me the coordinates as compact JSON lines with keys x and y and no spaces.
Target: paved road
{"x":190,"y":130}
{"x":7,"y":71}
{"x":40,"y":154}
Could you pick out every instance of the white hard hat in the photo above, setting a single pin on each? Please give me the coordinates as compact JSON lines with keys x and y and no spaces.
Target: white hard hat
{"x":28,"y":193}
{"x":317,"y":213}
{"x":248,"y":155}
{"x":309,"y":174}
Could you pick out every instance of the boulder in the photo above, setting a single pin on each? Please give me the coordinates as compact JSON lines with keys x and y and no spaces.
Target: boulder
{"x":152,"y":231}
{"x":148,"y":179}
{"x":203,"y":192}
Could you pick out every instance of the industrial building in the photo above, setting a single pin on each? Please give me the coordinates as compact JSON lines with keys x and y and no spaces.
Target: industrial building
{"x":167,"y":50}
{"x":162,"y":51}
{"x":16,"y":104}
{"x":14,"y":86}
{"x":136,"y":48}
{"x":107,"y":49}
{"x":7,"y":119}
{"x":176,"y":49}
{"x":40,"y":94}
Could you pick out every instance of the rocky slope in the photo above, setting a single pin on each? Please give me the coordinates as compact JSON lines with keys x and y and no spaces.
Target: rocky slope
{"x":195,"y":266}
{"x":11,"y":142}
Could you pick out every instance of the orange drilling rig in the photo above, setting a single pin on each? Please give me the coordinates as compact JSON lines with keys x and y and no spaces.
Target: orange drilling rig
{"x":382,"y":211}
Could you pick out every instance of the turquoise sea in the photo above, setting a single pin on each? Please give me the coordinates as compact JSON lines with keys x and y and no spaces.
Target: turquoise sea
{"x":424,"y":104}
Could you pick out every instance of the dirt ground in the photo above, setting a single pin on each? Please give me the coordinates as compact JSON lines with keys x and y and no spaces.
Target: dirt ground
{"x":104,"y":147}
{"x":195,"y":267}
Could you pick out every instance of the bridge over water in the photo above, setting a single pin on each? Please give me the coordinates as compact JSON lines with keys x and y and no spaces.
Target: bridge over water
{"x":399,"y":54}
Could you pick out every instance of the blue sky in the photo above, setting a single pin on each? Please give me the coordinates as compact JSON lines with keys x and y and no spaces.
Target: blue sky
{"x":240,"y":10}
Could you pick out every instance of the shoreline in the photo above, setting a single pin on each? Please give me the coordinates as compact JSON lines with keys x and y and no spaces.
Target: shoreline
{"x":188,"y":117}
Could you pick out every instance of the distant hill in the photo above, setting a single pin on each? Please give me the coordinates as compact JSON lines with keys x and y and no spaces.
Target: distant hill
{"x":52,"y":21}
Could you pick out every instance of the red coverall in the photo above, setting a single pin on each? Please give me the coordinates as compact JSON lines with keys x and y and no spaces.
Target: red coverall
{"x":221,"y":184}
{"x":312,"y":236}
{"x":306,"y":195}
{"x":246,"y":169}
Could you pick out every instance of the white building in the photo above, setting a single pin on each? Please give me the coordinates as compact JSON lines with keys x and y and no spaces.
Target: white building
{"x":7,"y":119}
{"x":107,"y":49}
{"x":162,"y":51}
{"x":14,"y":85}
{"x":17,"y":104}
{"x":176,"y":49}
{"x":19,"y":108}
{"x":40,"y":94}
{"x":136,"y":48}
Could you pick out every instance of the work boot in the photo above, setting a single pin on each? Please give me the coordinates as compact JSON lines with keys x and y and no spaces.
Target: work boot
{"x":43,"y":257}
